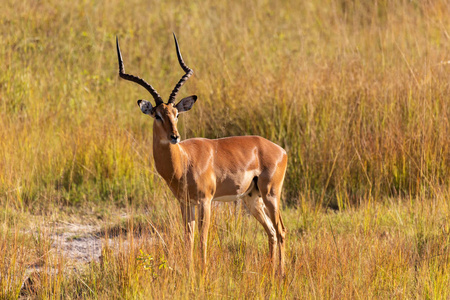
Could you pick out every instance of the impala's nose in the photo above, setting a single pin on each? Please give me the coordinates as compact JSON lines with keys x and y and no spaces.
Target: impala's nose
{"x":174,"y":139}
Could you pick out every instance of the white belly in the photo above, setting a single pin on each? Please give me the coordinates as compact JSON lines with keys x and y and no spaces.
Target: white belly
{"x":230,"y":198}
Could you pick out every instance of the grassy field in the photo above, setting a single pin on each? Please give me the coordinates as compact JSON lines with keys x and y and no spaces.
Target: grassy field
{"x":357,"y":92}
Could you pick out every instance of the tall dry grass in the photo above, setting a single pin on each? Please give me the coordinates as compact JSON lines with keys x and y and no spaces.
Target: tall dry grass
{"x":355,"y":91}
{"x":380,"y":250}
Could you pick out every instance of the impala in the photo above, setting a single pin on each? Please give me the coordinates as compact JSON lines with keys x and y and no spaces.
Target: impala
{"x":200,"y":170}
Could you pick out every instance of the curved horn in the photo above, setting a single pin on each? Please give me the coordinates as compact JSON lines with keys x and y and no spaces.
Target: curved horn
{"x":185,"y":77}
{"x":136,"y":79}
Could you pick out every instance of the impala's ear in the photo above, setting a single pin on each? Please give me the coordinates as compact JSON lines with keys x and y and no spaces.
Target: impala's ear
{"x":145,"y":106}
{"x":186,"y":103}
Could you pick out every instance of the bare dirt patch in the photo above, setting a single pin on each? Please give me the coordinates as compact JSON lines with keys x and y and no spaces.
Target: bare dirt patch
{"x":78,"y":243}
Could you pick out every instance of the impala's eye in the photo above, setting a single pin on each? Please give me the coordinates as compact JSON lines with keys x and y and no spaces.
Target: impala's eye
{"x":177,"y":115}
{"x":157,"y":117}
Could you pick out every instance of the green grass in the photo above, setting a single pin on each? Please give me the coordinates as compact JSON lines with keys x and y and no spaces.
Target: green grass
{"x":355,"y":91}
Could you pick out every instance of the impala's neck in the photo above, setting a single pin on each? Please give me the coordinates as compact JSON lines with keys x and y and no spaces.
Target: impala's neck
{"x":168,"y":158}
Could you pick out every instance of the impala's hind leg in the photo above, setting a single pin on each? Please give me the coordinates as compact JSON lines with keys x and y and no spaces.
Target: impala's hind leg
{"x":255,"y":205}
{"x":281,"y":238}
{"x":269,"y":184}
{"x":273,"y":213}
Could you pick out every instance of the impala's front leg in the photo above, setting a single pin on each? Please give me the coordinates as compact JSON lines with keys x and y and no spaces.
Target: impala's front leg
{"x":188,"y":213}
{"x":204,"y":219}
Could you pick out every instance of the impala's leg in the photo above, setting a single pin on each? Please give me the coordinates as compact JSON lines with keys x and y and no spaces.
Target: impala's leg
{"x":256,"y":206}
{"x":270,"y":184}
{"x":188,"y":213}
{"x":204,"y":219}
{"x":281,"y":237}
{"x":273,"y":212}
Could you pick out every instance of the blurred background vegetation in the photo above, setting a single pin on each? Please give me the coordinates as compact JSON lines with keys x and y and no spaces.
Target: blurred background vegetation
{"x":355,"y":91}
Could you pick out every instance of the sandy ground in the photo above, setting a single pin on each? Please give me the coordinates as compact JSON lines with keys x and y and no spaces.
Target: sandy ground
{"x":78,"y":244}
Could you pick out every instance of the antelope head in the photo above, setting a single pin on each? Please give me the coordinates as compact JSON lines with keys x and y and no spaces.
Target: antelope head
{"x":165,"y":114}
